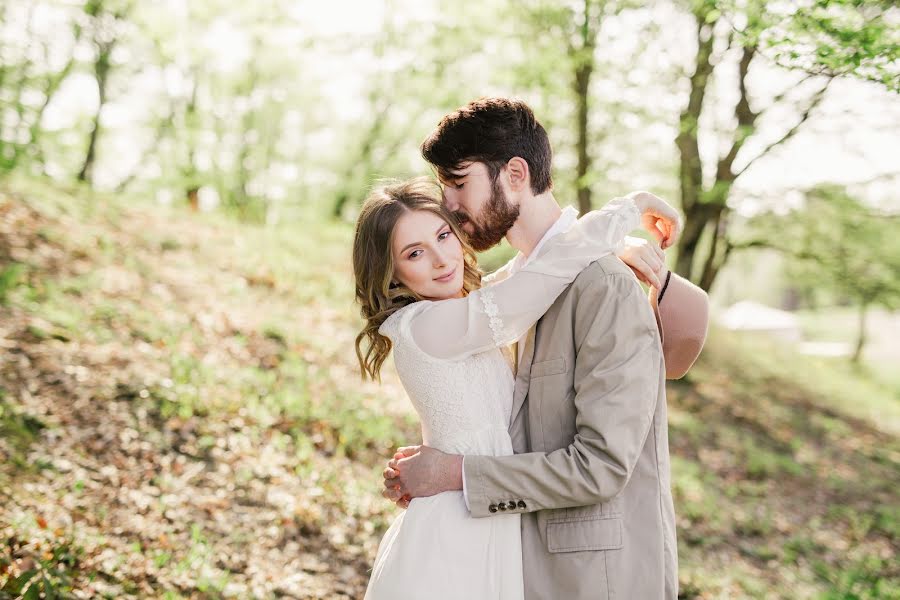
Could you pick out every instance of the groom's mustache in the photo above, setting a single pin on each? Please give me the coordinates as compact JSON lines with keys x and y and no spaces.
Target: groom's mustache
{"x":461,"y":217}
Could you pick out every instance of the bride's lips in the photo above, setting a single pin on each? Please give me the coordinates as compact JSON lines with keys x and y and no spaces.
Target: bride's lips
{"x":447,"y":277}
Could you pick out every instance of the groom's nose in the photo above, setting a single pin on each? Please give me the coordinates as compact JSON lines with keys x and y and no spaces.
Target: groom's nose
{"x":450,"y":202}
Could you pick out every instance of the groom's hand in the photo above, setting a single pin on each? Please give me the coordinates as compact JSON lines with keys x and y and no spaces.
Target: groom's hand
{"x":419,"y":471}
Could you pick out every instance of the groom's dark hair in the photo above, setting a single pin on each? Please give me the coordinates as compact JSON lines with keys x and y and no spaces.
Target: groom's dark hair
{"x":491,"y":131}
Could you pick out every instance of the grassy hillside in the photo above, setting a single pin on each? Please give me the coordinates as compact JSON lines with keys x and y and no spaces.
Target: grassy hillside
{"x":180,"y":417}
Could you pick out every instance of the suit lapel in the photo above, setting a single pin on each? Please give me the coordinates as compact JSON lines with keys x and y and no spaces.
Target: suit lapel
{"x":523,"y":376}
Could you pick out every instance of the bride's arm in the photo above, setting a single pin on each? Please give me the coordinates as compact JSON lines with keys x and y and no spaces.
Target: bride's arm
{"x":646,"y":260}
{"x":500,"y":274}
{"x":497,"y":315}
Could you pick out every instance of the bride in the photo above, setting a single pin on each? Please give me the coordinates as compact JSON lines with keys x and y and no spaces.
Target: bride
{"x":422,"y":296}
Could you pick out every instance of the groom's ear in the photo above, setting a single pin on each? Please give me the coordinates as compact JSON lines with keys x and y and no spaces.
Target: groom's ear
{"x":517,"y":171}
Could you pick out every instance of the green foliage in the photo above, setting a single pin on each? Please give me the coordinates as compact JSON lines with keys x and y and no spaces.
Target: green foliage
{"x":765,"y":480}
{"x":54,"y":566}
{"x":10,"y":278}
{"x":18,"y":430}
{"x":857,"y":38}
{"x":856,"y":249}
{"x":863,"y":579}
{"x":838,"y":246}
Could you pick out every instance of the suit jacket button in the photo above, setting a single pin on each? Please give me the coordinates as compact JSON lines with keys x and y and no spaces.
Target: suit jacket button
{"x":492,"y":508}
{"x":512,"y":505}
{"x":502,"y":506}
{"x":522,"y":504}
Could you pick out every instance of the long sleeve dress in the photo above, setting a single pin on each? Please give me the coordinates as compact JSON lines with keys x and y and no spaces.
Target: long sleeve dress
{"x":447,"y":354}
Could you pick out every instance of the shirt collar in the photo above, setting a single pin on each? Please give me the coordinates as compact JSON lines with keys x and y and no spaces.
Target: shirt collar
{"x":563,"y":223}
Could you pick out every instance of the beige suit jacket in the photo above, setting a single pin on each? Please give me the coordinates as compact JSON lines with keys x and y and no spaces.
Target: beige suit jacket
{"x":591,"y":470}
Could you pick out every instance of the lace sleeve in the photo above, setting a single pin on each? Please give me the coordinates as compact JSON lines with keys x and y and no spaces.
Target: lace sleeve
{"x":500,"y":274}
{"x":498,"y":314}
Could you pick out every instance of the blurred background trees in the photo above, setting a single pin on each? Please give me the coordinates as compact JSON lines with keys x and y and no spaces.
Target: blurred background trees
{"x":839,"y":249}
{"x":283,"y":110}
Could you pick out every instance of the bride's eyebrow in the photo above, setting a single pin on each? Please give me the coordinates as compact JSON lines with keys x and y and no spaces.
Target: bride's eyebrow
{"x":408,"y":246}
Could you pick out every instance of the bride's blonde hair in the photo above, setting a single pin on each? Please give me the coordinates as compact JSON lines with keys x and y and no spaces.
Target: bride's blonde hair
{"x":373,"y":264}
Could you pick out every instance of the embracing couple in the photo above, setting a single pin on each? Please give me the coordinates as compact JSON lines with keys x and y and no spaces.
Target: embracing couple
{"x":544,"y":469}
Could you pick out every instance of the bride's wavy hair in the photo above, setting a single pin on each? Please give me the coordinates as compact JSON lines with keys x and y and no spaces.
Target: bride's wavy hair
{"x":373,"y":264}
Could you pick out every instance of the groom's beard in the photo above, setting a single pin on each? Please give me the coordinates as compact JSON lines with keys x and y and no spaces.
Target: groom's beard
{"x":496,"y":219}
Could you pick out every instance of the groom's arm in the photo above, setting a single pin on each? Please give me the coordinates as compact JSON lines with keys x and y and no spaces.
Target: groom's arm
{"x":617,"y":378}
{"x":616,"y":381}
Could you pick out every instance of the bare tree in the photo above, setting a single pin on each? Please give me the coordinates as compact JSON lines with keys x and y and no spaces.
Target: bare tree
{"x":104,"y":22}
{"x":705,"y":200}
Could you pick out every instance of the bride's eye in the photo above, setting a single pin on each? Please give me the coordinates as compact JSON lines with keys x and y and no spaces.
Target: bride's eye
{"x":443,"y":236}
{"x":414,"y":254}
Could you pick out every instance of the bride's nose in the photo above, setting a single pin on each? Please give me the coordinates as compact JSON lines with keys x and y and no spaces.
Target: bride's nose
{"x":438,"y":260}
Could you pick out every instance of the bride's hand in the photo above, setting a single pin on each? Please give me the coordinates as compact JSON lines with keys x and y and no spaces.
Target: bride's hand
{"x":391,"y":476}
{"x":646,"y":259}
{"x":658,"y":217}
{"x":422,"y":471}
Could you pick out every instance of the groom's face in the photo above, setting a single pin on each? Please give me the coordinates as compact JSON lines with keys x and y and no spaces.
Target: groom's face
{"x":480,"y":204}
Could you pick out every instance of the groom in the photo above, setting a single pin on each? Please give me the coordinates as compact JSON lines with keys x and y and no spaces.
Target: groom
{"x":590,"y":473}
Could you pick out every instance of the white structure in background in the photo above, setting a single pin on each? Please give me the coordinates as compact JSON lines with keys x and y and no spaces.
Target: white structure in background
{"x":753,"y":317}
{"x":758,"y":318}
{"x":835,"y":349}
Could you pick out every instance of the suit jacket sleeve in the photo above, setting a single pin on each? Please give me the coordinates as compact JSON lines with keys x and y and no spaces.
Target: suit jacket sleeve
{"x":617,"y":369}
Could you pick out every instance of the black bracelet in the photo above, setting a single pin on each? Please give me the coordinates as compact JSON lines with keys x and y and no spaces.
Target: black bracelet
{"x":665,"y":285}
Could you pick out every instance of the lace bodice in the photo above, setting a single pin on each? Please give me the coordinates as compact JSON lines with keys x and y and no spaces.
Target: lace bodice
{"x":447,"y":353}
{"x":464,"y":405}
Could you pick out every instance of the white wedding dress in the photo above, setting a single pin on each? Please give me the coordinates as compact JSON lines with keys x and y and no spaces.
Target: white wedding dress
{"x":448,"y":356}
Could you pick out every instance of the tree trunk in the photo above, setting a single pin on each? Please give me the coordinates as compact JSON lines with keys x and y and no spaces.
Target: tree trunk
{"x":34,"y":131}
{"x":101,"y":72}
{"x":582,"y":186}
{"x":193,"y":198}
{"x":189,"y":172}
{"x":717,"y":248}
{"x":364,"y":158}
{"x":861,"y":336}
{"x":583,"y":58}
{"x":11,"y":151}
{"x":690,"y":167}
{"x":694,"y":224}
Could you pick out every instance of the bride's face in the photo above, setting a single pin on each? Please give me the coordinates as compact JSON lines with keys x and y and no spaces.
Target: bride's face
{"x":428,"y":258}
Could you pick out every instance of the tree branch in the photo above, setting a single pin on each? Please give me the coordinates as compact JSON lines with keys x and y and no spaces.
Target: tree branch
{"x":815,"y":100}
{"x":769,"y":245}
{"x":746,"y":118}
{"x":691,"y":170}
{"x":791,"y":87}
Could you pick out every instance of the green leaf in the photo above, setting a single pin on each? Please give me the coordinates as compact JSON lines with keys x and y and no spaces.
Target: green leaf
{"x":49,"y":591}
{"x":32,"y":593}
{"x":14,"y":586}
